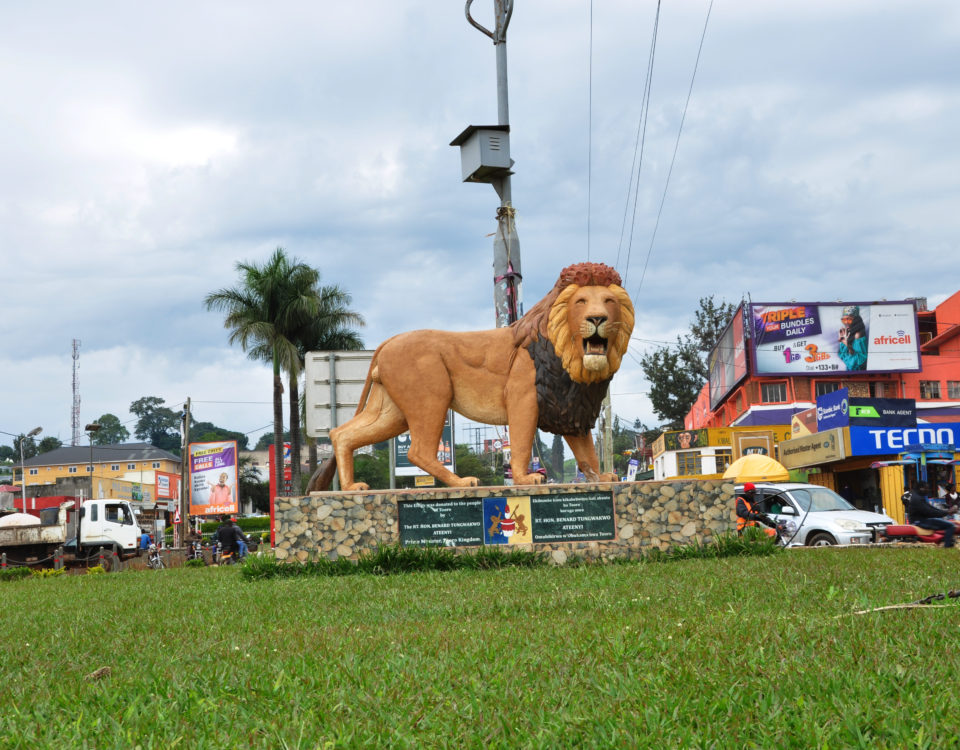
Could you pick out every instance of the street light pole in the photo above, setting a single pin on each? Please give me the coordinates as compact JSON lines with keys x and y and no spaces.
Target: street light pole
{"x":23,"y":469}
{"x":90,"y":430}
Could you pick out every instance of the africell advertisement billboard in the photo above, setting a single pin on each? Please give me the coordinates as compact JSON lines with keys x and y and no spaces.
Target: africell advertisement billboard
{"x":728,"y":360}
{"x":213,"y":478}
{"x":820,"y":339}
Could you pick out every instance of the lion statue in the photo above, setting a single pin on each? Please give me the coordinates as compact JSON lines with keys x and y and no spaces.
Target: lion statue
{"x":549,"y":370}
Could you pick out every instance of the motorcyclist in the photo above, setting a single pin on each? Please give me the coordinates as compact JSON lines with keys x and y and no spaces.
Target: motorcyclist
{"x":921,"y":513}
{"x":227,"y":537}
{"x":748,"y":516}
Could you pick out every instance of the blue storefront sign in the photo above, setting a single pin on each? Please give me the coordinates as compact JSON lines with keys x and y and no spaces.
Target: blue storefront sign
{"x":884,"y":441}
{"x":838,"y":409}
{"x":833,"y":410}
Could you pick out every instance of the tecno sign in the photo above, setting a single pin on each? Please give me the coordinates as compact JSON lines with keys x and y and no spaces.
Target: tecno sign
{"x":871,"y":441}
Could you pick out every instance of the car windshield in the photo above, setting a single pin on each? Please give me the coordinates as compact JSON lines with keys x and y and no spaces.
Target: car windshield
{"x":820,"y":499}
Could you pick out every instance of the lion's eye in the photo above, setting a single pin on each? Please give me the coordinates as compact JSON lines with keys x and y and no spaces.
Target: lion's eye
{"x":580,"y":302}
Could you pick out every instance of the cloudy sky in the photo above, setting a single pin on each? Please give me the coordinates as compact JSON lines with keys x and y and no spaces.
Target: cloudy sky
{"x":145,"y":148}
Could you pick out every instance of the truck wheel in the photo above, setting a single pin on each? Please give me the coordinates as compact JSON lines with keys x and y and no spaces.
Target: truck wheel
{"x":110,"y":562}
{"x":822,"y":539}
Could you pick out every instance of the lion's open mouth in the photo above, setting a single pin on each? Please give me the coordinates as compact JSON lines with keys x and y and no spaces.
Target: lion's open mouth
{"x":595,"y":353}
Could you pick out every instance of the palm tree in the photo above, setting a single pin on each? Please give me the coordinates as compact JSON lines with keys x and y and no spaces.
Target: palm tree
{"x":270,"y":302}
{"x":331,"y":329}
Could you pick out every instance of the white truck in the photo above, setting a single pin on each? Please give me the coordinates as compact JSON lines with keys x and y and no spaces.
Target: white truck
{"x":109,"y":534}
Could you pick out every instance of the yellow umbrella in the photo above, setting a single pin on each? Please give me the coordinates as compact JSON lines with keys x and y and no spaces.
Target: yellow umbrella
{"x":756,"y":468}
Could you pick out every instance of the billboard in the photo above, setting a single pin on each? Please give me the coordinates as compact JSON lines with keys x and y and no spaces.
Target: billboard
{"x":824,"y":338}
{"x":728,"y":360}
{"x":810,"y":450}
{"x":168,"y":486}
{"x":213,"y":477}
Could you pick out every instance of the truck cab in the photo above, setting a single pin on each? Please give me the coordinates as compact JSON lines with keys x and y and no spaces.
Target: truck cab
{"x":109,"y":523}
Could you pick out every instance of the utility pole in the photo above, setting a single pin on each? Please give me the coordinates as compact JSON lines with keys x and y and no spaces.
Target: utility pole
{"x":607,"y":462}
{"x":185,"y":470}
{"x":485,"y":157}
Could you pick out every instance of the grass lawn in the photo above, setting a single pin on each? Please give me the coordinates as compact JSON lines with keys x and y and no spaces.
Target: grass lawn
{"x":736,"y":652}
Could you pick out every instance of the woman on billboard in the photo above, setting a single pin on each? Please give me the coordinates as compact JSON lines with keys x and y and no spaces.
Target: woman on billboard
{"x":853,"y":339}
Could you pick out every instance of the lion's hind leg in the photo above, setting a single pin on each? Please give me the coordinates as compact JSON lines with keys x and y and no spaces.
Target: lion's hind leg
{"x":380,"y":420}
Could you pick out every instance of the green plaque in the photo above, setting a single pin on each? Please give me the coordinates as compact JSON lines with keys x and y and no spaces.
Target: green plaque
{"x":451,"y":523}
{"x":574,"y":517}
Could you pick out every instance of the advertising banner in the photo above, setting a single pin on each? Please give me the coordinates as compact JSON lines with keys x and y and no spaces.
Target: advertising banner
{"x":811,"y":450}
{"x":883,"y":441}
{"x":727,"y":362}
{"x":213,"y":478}
{"x":819,"y":339}
{"x":682,"y":440}
{"x":168,"y":486}
{"x":445,"y":450}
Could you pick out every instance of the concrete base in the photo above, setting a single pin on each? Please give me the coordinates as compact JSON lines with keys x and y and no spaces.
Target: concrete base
{"x":645,"y":515}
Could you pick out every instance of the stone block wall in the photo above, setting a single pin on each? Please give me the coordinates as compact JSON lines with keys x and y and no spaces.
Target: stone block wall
{"x":647,"y":514}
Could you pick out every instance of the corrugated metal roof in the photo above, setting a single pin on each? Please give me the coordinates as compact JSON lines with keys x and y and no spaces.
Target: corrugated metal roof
{"x":102,"y":454}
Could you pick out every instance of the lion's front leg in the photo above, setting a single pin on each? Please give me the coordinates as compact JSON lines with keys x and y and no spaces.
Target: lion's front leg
{"x":522,"y":417}
{"x":586,"y":456}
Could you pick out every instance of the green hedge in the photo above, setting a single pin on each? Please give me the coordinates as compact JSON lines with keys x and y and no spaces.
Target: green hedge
{"x":247,"y":525}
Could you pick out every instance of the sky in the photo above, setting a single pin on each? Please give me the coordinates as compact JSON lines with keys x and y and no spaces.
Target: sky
{"x":146,"y":148}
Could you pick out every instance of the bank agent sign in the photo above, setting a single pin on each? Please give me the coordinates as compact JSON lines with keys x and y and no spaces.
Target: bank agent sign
{"x":213,"y":478}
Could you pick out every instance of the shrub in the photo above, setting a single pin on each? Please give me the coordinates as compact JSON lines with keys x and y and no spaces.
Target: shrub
{"x":96,"y":570}
{"x":48,"y":572}
{"x":13,"y":574}
{"x":392,"y":559}
{"x":195,"y":563}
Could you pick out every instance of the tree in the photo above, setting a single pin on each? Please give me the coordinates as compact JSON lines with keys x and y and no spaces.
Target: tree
{"x":331,"y":329}
{"x":156,"y":423}
{"x":261,"y":312}
{"x":48,"y":444}
{"x":111,"y":431}
{"x":267,"y":439}
{"x":7,"y":453}
{"x":29,"y":447}
{"x":677,"y":373}
{"x":469,"y":464}
{"x":208,"y":432}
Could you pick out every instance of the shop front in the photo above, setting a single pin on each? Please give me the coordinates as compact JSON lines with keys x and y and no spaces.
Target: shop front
{"x":875,"y":463}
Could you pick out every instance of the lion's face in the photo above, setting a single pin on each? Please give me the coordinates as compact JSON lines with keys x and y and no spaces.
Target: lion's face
{"x":590,"y":327}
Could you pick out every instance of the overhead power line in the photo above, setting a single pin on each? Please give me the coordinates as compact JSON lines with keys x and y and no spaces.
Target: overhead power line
{"x":676,"y":146}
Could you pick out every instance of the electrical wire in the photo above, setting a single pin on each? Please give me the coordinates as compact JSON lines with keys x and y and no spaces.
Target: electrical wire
{"x":638,"y":147}
{"x":676,"y":146}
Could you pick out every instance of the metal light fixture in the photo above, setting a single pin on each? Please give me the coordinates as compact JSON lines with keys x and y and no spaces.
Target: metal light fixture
{"x":23,"y":470}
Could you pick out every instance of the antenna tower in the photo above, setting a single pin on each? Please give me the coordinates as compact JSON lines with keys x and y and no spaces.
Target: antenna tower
{"x":75,"y":412}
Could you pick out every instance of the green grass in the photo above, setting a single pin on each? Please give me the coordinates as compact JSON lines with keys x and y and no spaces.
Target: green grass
{"x":731,"y":652}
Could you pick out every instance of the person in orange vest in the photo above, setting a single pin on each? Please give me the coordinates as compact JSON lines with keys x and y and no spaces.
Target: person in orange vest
{"x":747,"y":516}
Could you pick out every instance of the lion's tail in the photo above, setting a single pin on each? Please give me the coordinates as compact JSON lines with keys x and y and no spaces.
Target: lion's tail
{"x":322,"y":478}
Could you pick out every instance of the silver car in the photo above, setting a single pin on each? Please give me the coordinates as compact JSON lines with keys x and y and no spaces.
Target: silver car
{"x":816,"y":516}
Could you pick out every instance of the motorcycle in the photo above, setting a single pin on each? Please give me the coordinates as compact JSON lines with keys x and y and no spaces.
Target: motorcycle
{"x":154,"y":561}
{"x":911,"y":533}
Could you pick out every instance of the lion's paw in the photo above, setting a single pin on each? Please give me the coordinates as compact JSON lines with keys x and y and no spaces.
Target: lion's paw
{"x":357,"y":487}
{"x":609,"y":478}
{"x":535,"y":478}
{"x":467,"y":482}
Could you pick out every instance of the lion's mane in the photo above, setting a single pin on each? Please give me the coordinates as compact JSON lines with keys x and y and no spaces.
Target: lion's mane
{"x":548,"y":318}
